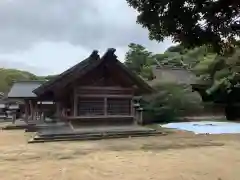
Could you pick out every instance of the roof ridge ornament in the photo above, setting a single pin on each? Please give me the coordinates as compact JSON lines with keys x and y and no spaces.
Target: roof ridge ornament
{"x":110,"y":53}
{"x":95,"y":55}
{"x":111,"y":50}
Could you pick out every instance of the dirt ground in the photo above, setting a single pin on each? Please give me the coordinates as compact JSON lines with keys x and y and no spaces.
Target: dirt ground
{"x":173,"y":157}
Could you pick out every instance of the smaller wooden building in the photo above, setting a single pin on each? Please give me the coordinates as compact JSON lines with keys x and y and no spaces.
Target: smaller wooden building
{"x":30,"y":106}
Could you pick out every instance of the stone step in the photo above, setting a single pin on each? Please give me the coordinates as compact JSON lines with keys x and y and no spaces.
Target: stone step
{"x":92,"y":137}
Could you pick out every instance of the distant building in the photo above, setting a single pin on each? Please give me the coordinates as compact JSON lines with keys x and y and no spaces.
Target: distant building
{"x":167,"y":74}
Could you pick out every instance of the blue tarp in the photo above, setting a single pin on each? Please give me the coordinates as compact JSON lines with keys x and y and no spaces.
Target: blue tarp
{"x":203,"y":127}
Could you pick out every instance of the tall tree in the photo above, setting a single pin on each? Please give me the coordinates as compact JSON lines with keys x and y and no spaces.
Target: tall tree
{"x":137,"y":57}
{"x":193,"y":23}
{"x":226,"y":73}
{"x":177,"y":56}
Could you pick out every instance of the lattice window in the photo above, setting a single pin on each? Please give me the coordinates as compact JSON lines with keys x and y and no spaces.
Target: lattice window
{"x":118,"y":106}
{"x":90,"y":106}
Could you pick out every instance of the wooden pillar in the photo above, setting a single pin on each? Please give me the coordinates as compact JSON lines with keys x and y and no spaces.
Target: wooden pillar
{"x":75,"y":104}
{"x":13,"y":116}
{"x":141,"y":117}
{"x":26,"y":111}
{"x":40,"y":111}
{"x":136,"y":117}
{"x":132,"y":108}
{"x":31,"y":109}
{"x":35,"y":110}
{"x":63,"y":111}
{"x":105,"y":106}
{"x":58,"y":109}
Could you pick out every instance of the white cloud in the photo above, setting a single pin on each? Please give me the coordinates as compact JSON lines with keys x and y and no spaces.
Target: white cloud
{"x":54,"y":34}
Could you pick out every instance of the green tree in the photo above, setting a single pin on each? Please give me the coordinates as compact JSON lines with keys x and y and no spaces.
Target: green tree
{"x":193,"y":23}
{"x":225,"y":72}
{"x":49,"y":77}
{"x":171,"y":102}
{"x":8,"y":76}
{"x":177,"y":56}
{"x":137,"y":57}
{"x":147,"y":72}
{"x":178,"y":48}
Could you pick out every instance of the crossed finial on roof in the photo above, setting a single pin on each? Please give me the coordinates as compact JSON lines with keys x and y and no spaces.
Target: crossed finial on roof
{"x":95,"y":54}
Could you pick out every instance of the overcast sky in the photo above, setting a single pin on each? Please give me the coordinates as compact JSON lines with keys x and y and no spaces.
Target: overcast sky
{"x":49,"y":36}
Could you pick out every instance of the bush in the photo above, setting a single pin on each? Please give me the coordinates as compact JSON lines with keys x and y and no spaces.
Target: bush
{"x":170,"y":102}
{"x":147,"y":73}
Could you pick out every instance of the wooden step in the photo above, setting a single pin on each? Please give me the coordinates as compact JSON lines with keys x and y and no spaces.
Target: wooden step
{"x":93,"y":134}
{"x":96,"y":132}
{"x":91,"y":137}
{"x":15,"y":126}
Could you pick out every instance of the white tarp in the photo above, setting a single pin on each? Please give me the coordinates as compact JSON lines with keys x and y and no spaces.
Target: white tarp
{"x":206,"y":127}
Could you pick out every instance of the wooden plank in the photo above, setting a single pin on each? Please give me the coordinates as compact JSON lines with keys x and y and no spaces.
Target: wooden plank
{"x":104,"y":90}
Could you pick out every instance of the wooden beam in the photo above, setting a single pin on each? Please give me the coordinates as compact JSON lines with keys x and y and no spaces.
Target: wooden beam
{"x":100,"y":117}
{"x":104,"y":95}
{"x":103,"y":88}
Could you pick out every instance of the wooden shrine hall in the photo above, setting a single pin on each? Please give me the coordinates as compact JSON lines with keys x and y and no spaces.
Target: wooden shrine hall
{"x":29,"y":105}
{"x":98,"y":90}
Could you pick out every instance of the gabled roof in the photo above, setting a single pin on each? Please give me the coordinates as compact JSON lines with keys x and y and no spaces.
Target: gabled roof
{"x":88,"y":64}
{"x":78,"y":67}
{"x":24,"y":89}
